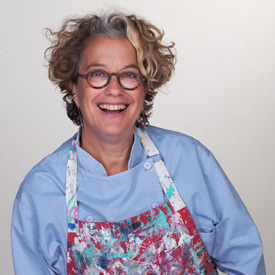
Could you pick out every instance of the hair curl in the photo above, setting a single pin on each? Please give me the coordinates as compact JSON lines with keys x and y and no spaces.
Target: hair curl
{"x":155,"y":60}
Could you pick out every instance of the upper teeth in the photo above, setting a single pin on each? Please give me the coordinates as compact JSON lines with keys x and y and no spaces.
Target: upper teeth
{"x":112,"y":107}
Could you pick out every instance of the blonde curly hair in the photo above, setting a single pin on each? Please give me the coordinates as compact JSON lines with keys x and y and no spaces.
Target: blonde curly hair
{"x":156,"y":61}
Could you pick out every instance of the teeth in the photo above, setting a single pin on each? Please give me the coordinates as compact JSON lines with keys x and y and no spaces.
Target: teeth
{"x":112,"y":107}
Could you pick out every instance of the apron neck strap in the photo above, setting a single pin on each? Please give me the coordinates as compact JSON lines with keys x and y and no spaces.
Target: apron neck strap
{"x":164,"y":177}
{"x":149,"y":146}
{"x":71,"y":179}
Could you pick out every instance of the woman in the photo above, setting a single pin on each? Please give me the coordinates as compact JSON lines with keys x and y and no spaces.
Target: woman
{"x":120,"y":197}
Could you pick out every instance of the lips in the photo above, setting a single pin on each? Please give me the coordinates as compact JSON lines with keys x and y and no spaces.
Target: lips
{"x":113,"y":108}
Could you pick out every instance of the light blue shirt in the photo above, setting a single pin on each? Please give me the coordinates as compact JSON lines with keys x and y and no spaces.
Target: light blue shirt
{"x":39,"y":225}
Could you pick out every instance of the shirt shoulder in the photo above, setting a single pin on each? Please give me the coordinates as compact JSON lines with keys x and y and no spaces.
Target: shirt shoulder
{"x":179,"y":143}
{"x":46,"y":174}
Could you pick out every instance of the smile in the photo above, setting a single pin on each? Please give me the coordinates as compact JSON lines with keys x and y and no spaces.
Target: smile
{"x":110,"y":108}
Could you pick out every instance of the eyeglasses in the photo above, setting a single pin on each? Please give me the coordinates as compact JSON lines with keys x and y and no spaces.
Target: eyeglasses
{"x":128,"y":80}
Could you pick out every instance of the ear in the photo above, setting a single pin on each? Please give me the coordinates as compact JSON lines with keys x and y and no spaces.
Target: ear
{"x":74,"y":90}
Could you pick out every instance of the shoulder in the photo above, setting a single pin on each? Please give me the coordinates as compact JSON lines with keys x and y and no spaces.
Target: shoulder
{"x":48,"y":174}
{"x":53,"y":159}
{"x":178,"y":143}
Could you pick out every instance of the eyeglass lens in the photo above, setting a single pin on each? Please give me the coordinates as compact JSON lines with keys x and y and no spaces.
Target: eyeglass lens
{"x":98,"y":78}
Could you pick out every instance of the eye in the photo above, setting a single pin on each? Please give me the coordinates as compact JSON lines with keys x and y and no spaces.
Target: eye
{"x":129,"y":75}
{"x":97,"y":74}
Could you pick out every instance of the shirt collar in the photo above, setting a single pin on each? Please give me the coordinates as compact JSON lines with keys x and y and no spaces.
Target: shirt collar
{"x":88,"y":163}
{"x":138,"y":153}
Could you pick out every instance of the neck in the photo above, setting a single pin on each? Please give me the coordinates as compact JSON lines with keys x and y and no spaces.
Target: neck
{"x":112,"y":152}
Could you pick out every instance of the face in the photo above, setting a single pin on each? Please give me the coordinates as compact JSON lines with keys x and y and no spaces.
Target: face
{"x":109,"y":111}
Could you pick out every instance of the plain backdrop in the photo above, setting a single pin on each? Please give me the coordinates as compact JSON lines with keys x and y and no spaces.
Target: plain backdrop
{"x":222,"y":93}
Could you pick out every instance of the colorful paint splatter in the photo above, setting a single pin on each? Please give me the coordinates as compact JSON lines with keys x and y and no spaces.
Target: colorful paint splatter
{"x":163,"y":240}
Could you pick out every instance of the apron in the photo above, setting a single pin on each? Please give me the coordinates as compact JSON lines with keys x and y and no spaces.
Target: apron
{"x":163,"y":240}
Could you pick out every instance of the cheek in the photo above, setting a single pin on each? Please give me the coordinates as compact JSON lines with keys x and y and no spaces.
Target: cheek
{"x":83,"y":95}
{"x":80,"y":98}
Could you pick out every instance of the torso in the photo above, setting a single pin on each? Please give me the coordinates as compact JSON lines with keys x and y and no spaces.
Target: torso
{"x":129,"y":246}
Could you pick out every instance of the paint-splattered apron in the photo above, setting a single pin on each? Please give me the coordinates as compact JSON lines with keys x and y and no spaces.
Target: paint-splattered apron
{"x":163,"y":240}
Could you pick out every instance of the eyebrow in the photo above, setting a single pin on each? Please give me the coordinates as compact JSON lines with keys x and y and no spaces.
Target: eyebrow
{"x":130,"y":66}
{"x":103,"y":65}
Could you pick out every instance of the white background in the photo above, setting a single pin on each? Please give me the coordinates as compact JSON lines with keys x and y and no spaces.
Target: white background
{"x":222,"y":92}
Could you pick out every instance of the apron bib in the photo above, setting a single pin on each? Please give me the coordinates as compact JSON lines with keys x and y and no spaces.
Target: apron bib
{"x":163,"y":240}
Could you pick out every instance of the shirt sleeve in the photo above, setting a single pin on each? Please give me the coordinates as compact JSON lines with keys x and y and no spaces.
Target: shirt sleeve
{"x":237,"y":247}
{"x":37,"y":234}
{"x":27,"y":256}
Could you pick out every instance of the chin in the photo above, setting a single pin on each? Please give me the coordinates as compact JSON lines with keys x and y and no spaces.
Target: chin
{"x":113,"y":130}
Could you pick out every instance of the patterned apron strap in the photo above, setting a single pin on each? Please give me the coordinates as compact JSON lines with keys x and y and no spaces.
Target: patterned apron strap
{"x":164,"y":177}
{"x":71,"y":178}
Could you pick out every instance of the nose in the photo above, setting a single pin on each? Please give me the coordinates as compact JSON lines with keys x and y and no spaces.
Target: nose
{"x":113,"y":88}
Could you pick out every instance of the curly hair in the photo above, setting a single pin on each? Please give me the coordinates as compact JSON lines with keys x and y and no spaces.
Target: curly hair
{"x":155,"y":60}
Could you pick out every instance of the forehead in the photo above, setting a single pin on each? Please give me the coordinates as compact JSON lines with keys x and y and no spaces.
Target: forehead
{"x":112,"y":53}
